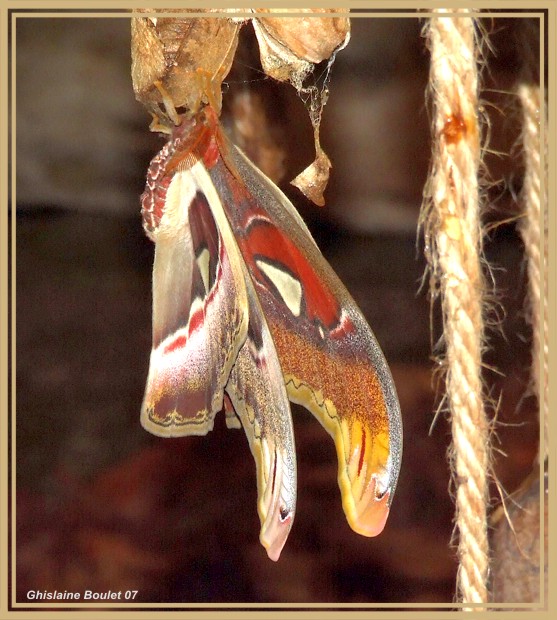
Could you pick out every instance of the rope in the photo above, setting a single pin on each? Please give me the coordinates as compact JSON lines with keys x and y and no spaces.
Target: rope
{"x":452,"y":227}
{"x":531,"y":224}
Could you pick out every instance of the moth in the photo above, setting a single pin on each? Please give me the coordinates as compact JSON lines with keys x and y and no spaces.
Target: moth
{"x":248,"y":316}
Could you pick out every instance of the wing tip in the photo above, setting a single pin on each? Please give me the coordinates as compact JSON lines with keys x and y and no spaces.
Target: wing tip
{"x":366,"y":477}
{"x":276,"y":506}
{"x":274,"y":534}
{"x":368,"y":519}
{"x":366,"y":508}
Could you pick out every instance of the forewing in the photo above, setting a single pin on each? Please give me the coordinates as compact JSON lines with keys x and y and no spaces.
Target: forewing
{"x":329,"y":356}
{"x":257,"y":391}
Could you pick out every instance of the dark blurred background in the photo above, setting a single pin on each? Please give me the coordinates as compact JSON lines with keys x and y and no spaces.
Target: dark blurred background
{"x":103,"y":505}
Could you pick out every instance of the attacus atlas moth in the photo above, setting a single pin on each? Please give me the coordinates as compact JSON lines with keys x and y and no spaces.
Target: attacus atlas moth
{"x":248,"y":315}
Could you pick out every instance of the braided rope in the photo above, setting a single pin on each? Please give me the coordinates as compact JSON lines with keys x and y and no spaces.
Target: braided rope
{"x":531,"y":225}
{"x":453,"y":246}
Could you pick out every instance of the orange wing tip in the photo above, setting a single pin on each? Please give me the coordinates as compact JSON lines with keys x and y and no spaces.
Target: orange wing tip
{"x":367,"y":516}
{"x":364,"y":477}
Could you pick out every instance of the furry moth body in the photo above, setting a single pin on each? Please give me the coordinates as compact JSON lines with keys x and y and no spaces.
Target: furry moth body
{"x":248,"y":315}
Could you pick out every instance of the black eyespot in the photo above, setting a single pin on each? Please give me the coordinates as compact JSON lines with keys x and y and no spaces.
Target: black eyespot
{"x":284,"y":514}
{"x":379,"y":495}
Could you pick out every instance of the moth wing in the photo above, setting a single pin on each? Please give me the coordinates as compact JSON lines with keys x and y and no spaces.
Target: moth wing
{"x":331,"y":361}
{"x":257,"y":391}
{"x":200,"y":311}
